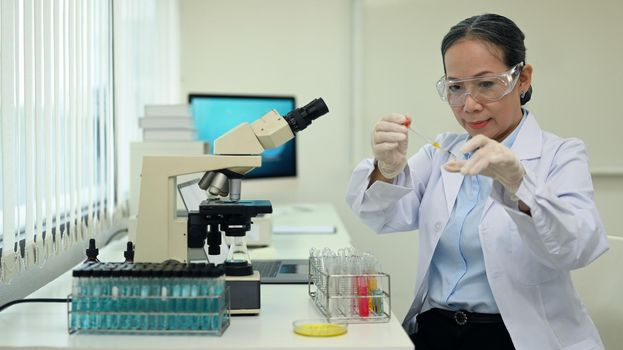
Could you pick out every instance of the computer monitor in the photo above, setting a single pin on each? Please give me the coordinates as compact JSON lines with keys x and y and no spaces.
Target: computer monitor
{"x":216,"y":114}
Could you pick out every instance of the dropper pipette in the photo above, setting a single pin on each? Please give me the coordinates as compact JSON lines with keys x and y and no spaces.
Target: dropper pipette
{"x":435,"y":144}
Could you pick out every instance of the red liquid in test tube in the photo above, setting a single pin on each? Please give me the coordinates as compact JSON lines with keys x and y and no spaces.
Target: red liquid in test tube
{"x":362,"y":291}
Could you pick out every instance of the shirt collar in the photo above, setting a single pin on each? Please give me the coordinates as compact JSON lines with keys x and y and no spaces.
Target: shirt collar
{"x":510,"y":139}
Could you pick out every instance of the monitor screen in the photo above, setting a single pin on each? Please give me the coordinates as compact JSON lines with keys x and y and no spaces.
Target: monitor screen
{"x":216,"y":114}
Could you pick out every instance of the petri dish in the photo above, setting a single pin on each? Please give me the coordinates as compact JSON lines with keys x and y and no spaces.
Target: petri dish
{"x":319,"y":328}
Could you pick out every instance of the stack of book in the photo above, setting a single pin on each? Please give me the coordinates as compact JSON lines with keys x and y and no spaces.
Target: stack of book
{"x":167,"y":123}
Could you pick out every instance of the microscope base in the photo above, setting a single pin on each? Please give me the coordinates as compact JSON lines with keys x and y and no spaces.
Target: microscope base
{"x":244,"y":294}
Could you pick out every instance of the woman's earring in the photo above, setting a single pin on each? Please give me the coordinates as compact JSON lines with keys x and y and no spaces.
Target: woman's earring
{"x":523,"y":94}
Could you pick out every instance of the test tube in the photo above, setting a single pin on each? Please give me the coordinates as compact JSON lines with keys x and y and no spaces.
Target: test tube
{"x":135,"y":303}
{"x":125,"y":293}
{"x":165,"y":297}
{"x":377,"y":291}
{"x":106,"y":296}
{"x":150,"y":285}
{"x":183,"y":305}
{"x":78,"y":299}
{"x":193,"y":300}
{"x":362,"y":289}
{"x":203,"y":301}
{"x":113,"y":297}
{"x":95,"y":309}
{"x":219,"y":310}
{"x":90,"y":296}
{"x":175,"y":291}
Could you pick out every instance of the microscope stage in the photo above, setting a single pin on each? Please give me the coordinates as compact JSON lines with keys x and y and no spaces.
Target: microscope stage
{"x":246,"y":208}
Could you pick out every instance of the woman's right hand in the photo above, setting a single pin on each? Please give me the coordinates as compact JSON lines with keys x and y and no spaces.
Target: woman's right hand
{"x":389,"y":144}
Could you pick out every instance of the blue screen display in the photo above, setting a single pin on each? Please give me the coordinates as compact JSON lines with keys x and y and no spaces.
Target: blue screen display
{"x":214,"y":115}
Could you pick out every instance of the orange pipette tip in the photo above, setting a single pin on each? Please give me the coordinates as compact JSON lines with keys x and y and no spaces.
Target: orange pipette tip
{"x":407,"y":122}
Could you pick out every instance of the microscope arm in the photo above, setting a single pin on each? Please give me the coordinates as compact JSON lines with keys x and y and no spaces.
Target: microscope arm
{"x":160,"y":234}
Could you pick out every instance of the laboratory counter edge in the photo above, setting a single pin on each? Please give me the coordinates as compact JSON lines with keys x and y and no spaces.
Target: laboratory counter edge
{"x":44,"y":326}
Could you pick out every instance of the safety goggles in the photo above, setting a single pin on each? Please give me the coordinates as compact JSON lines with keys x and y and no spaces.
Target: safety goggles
{"x":483,"y":89}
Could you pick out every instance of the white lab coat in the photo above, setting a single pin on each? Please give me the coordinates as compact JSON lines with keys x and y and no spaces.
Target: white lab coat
{"x":527,"y":258}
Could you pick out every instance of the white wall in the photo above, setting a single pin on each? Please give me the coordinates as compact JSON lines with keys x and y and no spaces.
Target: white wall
{"x":369,"y":58}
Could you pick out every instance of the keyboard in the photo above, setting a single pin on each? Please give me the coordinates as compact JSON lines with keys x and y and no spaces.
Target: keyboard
{"x":267,"y":268}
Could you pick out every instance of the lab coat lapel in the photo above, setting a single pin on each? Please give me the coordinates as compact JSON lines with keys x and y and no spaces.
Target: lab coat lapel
{"x":529,"y":141}
{"x":527,"y":145}
{"x":451,"y":185}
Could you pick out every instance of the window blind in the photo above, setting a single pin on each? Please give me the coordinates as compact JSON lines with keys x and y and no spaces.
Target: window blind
{"x":57,"y":165}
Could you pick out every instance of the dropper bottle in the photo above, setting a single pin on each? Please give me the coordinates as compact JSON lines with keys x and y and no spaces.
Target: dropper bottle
{"x":92,"y":251}
{"x":129,"y":252}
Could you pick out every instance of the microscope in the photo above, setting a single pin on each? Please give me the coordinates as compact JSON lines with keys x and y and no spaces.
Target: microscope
{"x":162,"y":235}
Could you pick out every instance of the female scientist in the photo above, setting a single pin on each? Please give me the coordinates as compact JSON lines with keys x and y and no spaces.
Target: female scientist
{"x":502,"y":224}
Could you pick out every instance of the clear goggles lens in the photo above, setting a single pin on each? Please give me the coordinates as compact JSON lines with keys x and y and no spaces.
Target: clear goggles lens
{"x":483,"y":89}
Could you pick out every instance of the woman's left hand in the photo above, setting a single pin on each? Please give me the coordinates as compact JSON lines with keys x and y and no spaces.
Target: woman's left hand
{"x":492,"y":159}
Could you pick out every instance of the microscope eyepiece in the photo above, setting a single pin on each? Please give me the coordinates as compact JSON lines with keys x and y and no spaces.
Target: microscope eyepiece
{"x":300,"y":118}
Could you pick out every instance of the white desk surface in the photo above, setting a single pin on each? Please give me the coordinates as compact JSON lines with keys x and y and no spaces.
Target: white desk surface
{"x":44,"y":325}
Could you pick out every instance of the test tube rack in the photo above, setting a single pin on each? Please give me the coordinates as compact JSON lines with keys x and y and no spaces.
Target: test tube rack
{"x":350,"y":298}
{"x":148,"y":298}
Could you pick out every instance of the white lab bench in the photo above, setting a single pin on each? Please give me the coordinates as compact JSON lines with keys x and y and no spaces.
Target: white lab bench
{"x":44,"y":325}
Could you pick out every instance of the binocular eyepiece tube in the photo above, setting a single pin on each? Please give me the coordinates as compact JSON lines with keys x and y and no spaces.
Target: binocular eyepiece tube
{"x":300,"y":118}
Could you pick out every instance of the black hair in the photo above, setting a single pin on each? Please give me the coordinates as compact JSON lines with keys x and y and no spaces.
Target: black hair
{"x":493,"y":29}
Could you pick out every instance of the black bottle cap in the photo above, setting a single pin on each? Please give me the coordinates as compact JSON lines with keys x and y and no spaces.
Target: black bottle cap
{"x":92,"y":251}
{"x":129,"y":252}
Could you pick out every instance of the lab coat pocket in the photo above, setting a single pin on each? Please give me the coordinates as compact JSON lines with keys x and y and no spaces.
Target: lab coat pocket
{"x":524,"y":266}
